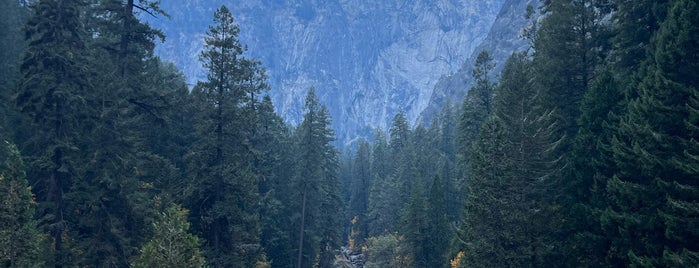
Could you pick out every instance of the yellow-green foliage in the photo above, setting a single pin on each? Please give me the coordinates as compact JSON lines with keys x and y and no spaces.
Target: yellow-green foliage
{"x":172,"y":245}
{"x":19,"y":239}
{"x":389,"y":251}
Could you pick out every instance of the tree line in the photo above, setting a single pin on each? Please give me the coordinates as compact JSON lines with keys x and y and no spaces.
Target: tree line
{"x":581,"y":152}
{"x":108,"y":159}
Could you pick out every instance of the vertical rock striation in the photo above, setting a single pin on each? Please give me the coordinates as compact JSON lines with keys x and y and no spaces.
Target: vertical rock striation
{"x":366,"y":59}
{"x":503,"y":39}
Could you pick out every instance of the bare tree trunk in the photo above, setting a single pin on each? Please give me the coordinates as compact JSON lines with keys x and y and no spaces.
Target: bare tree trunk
{"x":303,"y":219}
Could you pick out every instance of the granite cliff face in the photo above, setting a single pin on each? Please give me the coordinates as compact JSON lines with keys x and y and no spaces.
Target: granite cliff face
{"x":504,"y":38}
{"x":366,"y":59}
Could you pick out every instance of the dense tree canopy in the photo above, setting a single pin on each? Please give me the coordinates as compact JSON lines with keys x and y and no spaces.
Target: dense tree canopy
{"x":582,"y":152}
{"x":23,"y":243}
{"x":224,"y":194}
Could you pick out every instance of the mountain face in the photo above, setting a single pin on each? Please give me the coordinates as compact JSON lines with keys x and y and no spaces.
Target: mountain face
{"x":366,"y":59}
{"x":504,"y":38}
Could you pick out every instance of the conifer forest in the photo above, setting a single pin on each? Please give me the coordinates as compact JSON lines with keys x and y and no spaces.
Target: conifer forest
{"x":582,"y":152}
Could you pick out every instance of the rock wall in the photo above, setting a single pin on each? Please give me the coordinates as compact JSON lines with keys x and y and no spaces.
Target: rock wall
{"x":367,"y":59}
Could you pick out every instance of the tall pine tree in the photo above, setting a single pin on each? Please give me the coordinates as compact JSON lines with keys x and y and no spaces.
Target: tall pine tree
{"x":476,"y":107}
{"x":437,"y":232}
{"x":315,"y":187}
{"x":480,"y":235}
{"x":109,"y":204}
{"x":506,"y":206}
{"x":224,"y":203}
{"x":653,"y":195}
{"x":51,"y":94}
{"x":359,"y":192}
{"x":593,"y":165}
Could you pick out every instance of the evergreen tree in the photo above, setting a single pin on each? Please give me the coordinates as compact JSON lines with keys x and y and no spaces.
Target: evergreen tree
{"x":381,"y":159}
{"x":480,"y":235}
{"x":383,"y":207}
{"x":51,"y":95}
{"x":437,"y":232}
{"x":414,"y":224}
{"x":389,"y":250}
{"x":593,"y":165}
{"x":275,"y":168}
{"x":395,"y":170}
{"x":316,"y":188}
{"x":476,"y":107}
{"x":651,"y":195}
{"x":224,"y":202}
{"x":22,"y":243}
{"x":14,"y":14}
{"x":125,"y":37}
{"x":405,"y":177}
{"x":380,"y":168}
{"x":570,"y":46}
{"x":399,"y":134}
{"x":485,"y":86}
{"x":584,"y":154}
{"x":636,"y":21}
{"x":126,"y":101}
{"x":448,"y":159}
{"x":425,"y":154}
{"x":533,"y":142}
{"x":507,"y":206}
{"x":171,"y":245}
{"x":163,"y":144}
{"x":359,"y":191}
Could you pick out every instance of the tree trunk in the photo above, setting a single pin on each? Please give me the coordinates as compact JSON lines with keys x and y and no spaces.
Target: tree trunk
{"x":303,"y":219}
{"x":125,"y":37}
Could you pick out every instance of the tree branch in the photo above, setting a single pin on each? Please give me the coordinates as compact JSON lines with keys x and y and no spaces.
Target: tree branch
{"x":150,"y":12}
